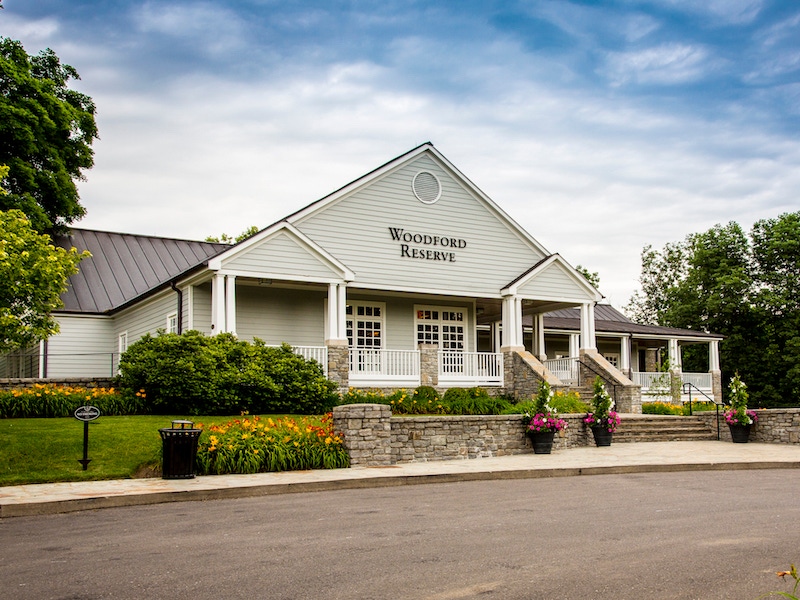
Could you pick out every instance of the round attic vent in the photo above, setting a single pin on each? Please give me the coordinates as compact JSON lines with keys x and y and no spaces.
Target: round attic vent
{"x":426,"y":187}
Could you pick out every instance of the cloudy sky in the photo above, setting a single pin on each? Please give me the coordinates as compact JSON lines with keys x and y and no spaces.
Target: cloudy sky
{"x":600,"y":127}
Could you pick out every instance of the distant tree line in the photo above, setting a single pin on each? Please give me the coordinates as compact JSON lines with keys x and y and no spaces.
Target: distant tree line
{"x":745,"y":286}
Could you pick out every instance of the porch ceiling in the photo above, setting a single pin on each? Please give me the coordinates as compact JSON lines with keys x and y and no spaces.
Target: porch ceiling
{"x":490,"y":309}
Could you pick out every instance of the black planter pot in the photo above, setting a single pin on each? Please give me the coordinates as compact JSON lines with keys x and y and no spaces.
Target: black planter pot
{"x":602,"y":436}
{"x":740,"y":433}
{"x":542,"y":441}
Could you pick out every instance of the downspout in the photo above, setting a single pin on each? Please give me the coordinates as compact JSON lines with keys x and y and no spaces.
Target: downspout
{"x":180,"y":306}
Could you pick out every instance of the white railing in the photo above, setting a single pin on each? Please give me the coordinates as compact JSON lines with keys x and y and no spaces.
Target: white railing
{"x":383,"y":367}
{"x":657,"y":385}
{"x":566,"y":369}
{"x":701,"y":381}
{"x":466,"y":369}
{"x":652,"y":382}
{"x":317,"y":353}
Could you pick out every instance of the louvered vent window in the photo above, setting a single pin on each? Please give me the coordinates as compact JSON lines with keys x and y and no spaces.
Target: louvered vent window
{"x":427,"y":188}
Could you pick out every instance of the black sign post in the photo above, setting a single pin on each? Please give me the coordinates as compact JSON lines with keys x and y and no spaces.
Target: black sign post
{"x":86,"y":414}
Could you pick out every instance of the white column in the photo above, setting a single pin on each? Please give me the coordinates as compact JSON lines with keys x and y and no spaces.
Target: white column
{"x":217,"y":304}
{"x":625,"y":354}
{"x":332,"y":323}
{"x":574,"y":344}
{"x":541,"y":351}
{"x":713,"y":356}
{"x":588,"y":339}
{"x":341,"y":312}
{"x":497,"y":341}
{"x":230,"y":304}
{"x":512,"y":323}
{"x":674,"y":353}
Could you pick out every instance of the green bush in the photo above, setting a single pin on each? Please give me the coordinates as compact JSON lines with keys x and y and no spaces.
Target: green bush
{"x":421,"y":402}
{"x":698,"y":406}
{"x":473,"y":401}
{"x":196,"y":374}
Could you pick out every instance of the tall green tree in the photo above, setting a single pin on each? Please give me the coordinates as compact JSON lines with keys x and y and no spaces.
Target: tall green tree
{"x":33,"y":275}
{"x":742,"y":286}
{"x":46,"y":134}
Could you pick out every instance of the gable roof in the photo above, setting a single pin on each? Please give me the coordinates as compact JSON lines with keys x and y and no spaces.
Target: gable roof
{"x":295,"y":244}
{"x":425,"y":148}
{"x":123,"y":267}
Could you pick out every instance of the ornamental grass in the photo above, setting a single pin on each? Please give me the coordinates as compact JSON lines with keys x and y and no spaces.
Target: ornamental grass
{"x":256,"y":445}
{"x":50,"y":400}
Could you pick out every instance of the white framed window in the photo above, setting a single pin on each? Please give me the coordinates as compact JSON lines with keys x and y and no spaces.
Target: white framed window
{"x":122,"y":344}
{"x":613,"y":359}
{"x":442,"y":326}
{"x":172,"y":323}
{"x":365,"y":324}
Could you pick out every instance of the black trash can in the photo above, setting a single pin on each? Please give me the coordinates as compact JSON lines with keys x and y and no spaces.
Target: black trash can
{"x":179,"y":450}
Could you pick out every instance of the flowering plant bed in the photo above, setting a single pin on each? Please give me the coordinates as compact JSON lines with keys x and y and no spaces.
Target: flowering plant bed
{"x":255,"y":445}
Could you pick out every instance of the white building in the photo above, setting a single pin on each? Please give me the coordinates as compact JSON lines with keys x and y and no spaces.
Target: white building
{"x":408,"y":275}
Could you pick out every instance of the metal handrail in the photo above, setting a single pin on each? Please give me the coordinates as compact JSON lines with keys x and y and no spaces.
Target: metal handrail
{"x":605,"y":379}
{"x":686,"y":388}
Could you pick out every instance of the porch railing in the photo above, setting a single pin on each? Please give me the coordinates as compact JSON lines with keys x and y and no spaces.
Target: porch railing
{"x":466,"y":369}
{"x":652,"y":381}
{"x":383,"y":367}
{"x":566,"y":369}
{"x":317,"y":353}
{"x":701,"y":381}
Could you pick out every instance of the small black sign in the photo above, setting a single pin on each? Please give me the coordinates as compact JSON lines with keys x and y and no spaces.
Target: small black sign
{"x":87,"y":413}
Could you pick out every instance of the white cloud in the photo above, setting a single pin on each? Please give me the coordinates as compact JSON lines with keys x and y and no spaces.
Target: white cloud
{"x":666,"y":65}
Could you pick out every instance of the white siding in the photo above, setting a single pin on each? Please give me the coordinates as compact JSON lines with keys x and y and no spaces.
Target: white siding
{"x":356,"y":231}
{"x":280,"y":254}
{"x":281,"y":315}
{"x":201,"y":308}
{"x":85,"y":347}
{"x":146,"y":317}
{"x":554,"y":283}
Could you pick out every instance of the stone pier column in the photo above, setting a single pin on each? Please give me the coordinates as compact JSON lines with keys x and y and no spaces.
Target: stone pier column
{"x":429,"y":364}
{"x":339,"y":366}
{"x":367,"y":431}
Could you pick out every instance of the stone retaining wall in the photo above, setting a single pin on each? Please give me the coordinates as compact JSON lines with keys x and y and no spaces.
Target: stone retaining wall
{"x":375,"y":438}
{"x":774,"y":425}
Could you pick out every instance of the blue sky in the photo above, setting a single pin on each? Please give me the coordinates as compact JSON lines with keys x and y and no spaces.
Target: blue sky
{"x":600,"y":127}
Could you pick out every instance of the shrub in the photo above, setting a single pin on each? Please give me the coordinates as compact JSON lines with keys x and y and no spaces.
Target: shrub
{"x":566,"y":402}
{"x":422,"y":403}
{"x":253,"y":445}
{"x":48,"y":400}
{"x":196,"y":374}
{"x":472,"y":401}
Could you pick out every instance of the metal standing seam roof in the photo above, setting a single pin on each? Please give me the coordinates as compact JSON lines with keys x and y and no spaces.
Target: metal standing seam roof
{"x":608,"y":319}
{"x":124,"y":267}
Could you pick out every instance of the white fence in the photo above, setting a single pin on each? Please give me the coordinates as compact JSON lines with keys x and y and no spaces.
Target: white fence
{"x":566,"y":369}
{"x":383,"y":367}
{"x":701,"y":381}
{"x":467,"y":369}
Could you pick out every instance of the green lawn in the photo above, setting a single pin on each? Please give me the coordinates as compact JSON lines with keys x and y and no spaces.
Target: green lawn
{"x":48,"y":450}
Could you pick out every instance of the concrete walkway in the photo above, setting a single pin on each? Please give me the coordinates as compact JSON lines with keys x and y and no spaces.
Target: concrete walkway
{"x":52,"y":498}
